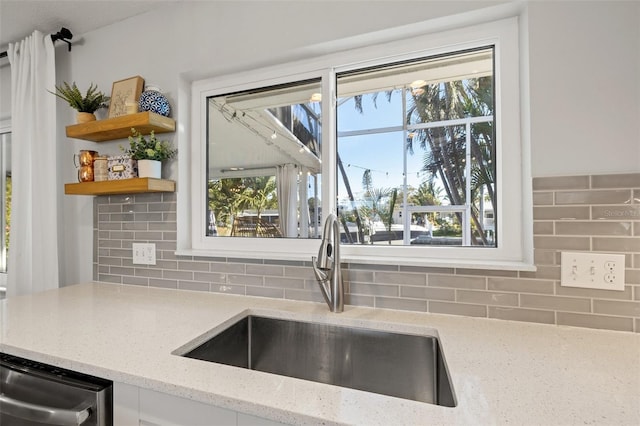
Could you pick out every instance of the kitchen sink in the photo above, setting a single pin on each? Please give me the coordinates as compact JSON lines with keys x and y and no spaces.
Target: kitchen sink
{"x":400,"y":365}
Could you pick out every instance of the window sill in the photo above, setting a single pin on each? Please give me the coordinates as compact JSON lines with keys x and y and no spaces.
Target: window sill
{"x":369,"y":260}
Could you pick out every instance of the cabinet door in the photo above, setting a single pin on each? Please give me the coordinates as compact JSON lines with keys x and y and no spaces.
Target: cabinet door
{"x":158,"y":408}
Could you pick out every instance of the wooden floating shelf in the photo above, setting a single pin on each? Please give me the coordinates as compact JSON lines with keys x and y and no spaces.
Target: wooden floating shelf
{"x":121,"y":186}
{"x":120,"y":127}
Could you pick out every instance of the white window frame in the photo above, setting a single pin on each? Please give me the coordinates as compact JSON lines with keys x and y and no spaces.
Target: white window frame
{"x":514,"y":221}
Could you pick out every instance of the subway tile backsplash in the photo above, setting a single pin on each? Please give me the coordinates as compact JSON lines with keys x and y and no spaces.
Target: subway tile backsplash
{"x":586,"y":213}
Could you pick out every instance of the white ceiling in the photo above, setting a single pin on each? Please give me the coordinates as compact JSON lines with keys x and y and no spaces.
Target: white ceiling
{"x":20,"y":18}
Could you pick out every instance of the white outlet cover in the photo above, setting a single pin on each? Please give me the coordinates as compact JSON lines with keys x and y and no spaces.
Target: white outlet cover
{"x":144,"y":254}
{"x":602,"y":271}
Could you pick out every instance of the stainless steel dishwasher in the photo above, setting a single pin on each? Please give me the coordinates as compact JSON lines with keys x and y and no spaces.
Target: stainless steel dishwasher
{"x":33,"y":394}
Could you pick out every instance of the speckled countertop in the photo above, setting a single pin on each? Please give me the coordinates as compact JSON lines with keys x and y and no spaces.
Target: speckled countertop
{"x":502,"y":372}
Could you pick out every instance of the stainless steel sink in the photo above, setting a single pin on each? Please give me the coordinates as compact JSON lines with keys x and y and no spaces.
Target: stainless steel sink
{"x":400,"y":365}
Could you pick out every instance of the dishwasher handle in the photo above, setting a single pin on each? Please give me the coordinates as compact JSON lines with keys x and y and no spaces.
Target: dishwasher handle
{"x":41,"y":413}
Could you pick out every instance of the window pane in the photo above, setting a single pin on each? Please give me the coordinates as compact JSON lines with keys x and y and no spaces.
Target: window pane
{"x":416,"y":152}
{"x":263,"y":171}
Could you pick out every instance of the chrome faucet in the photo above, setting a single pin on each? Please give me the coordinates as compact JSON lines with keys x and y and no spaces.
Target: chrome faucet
{"x":327,"y":265}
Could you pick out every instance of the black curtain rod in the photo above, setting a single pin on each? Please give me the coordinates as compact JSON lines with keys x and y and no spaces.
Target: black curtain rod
{"x":63,"y":35}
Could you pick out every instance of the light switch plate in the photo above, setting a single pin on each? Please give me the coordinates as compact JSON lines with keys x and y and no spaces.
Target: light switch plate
{"x":602,"y":271}
{"x":144,"y":254}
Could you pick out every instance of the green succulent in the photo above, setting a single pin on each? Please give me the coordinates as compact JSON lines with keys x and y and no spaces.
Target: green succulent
{"x":141,"y":148}
{"x":92,"y":101}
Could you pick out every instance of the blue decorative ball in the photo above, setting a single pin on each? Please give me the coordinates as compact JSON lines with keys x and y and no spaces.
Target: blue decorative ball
{"x":154,"y":101}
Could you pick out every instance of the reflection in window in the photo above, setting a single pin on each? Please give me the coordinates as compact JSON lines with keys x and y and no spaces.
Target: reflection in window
{"x":264,"y":168}
{"x":416,"y":152}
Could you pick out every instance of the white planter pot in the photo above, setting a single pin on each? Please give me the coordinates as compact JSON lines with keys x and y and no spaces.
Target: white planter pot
{"x":149,"y":169}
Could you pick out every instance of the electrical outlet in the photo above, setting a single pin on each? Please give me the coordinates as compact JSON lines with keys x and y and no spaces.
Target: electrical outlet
{"x":144,"y":254}
{"x":592,"y":270}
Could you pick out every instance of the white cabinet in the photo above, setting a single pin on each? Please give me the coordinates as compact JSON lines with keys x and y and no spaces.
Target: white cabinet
{"x":136,"y":406}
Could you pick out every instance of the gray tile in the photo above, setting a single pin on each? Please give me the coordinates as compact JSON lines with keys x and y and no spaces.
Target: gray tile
{"x":542,"y":198}
{"x":619,"y":244}
{"x":619,"y":213}
{"x":560,"y":182}
{"x":193,"y":286}
{"x":121,"y":235}
{"x":169,"y":236}
{"x":455,"y":281}
{"x":109,"y":243}
{"x":120,"y":252}
{"x":122,"y":271}
{"x":148,"y":217}
{"x":428,"y":293}
{"x":402,"y":304}
{"x":426,"y":270}
{"x":619,"y":308}
{"x":613,"y":196}
{"x":374,"y":289}
{"x":458,"y":309}
{"x":148,"y":235}
{"x":170,"y":245}
{"x":273,"y":270}
{"x":542,"y":228}
{"x":593,"y":228}
{"x":149,"y":197}
{"x":247,"y":261}
{"x":105,"y":225}
{"x":486,"y":272}
{"x":301,"y":272}
{"x":110,"y":278}
{"x":135,"y":281}
{"x":358,"y":300}
{"x":149,"y":273}
{"x":171,"y":255}
{"x":120,"y":217}
{"x":623,"y":180}
{"x":166,"y":264}
{"x":161,"y":283}
{"x":636,"y":261}
{"x":162,"y":226}
{"x":595,"y":321}
{"x":228,"y":289}
{"x":210,"y":277}
{"x":169,"y":197}
{"x":162,"y":207}
{"x":284,"y":282}
{"x":373,"y":267}
{"x":193,"y":266}
{"x":562,"y":243}
{"x":558,"y":213}
{"x":276,"y":293}
{"x":245,"y":279}
{"x":404,"y":278}
{"x":109,"y":208}
{"x":519,"y":314}
{"x":169,"y":217}
{"x":235,"y":268}
{"x":115,"y":261}
{"x":487,"y":298}
{"x":357,"y":275}
{"x":135,"y":226}
{"x":521,"y":285}
{"x":556,"y":303}
{"x":632,"y":276}
{"x":134,"y":208}
{"x":121,"y":199}
{"x":177,"y":275}
{"x":284,"y":262}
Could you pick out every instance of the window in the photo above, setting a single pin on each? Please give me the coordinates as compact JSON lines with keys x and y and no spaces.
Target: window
{"x":416,"y":151}
{"x":414,"y":143}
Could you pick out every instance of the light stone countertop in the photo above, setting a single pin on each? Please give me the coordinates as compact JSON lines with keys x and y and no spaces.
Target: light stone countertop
{"x":502,"y":372}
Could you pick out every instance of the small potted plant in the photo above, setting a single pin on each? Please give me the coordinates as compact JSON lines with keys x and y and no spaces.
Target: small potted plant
{"x":86,"y":104}
{"x":149,"y":153}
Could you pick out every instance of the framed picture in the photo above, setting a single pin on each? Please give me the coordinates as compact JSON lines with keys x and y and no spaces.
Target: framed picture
{"x":123,"y":91}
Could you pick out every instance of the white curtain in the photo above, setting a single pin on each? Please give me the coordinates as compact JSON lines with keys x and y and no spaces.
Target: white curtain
{"x":303,"y":196}
{"x":287,"y":185}
{"x":33,"y":245}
